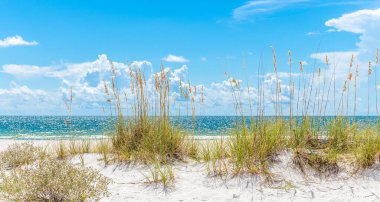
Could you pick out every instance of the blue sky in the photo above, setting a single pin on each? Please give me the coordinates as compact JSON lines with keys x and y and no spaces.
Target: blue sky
{"x":46,"y":45}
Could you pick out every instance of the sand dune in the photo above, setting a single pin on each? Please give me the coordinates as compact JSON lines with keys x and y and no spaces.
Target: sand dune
{"x":192,"y":182}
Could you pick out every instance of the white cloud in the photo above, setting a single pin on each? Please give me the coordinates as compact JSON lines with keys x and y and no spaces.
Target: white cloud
{"x":336,"y":56}
{"x":22,"y":100}
{"x":312,"y":33}
{"x":85,"y":79}
{"x":25,"y":91}
{"x":72,"y":71}
{"x":140,"y":64}
{"x":279,"y":75}
{"x":339,"y":63}
{"x":26,"y":70}
{"x":366,"y":23}
{"x":177,"y":74}
{"x":16,"y":41}
{"x":203,"y":59}
{"x":175,"y":58}
{"x":255,"y":7}
{"x":359,"y":22}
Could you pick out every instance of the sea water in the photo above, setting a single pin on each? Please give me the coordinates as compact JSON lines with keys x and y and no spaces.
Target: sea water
{"x":57,"y":127}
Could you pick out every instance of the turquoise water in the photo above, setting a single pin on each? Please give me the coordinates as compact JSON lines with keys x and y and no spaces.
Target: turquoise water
{"x":54,"y":127}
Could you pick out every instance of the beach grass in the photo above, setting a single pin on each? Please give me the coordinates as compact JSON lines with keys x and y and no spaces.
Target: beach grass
{"x":143,"y":137}
{"x":316,"y":140}
{"x":144,"y":133}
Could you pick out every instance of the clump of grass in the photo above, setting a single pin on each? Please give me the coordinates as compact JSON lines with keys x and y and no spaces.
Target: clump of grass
{"x":148,"y":138}
{"x":302,"y":133}
{"x":368,"y":148}
{"x":161,"y":174}
{"x":85,"y":146}
{"x":193,"y":149}
{"x":104,"y":147}
{"x":157,"y":141}
{"x":73,"y":148}
{"x":17,"y":155}
{"x":53,"y":180}
{"x":213,"y":149}
{"x":218,"y":167}
{"x":365,"y":156}
{"x":339,"y":132}
{"x":64,"y":149}
{"x":215,"y":154}
{"x":251,"y":150}
{"x":206,"y":153}
{"x":60,"y":150}
{"x":322,"y":163}
{"x":318,"y":142}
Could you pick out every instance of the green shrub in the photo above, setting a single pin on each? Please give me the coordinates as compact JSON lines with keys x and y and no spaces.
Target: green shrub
{"x":53,"y":180}
{"x":17,"y":155}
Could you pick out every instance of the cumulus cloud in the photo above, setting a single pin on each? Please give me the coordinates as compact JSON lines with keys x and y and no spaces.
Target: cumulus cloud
{"x":175,"y":58}
{"x":25,"y":91}
{"x":72,"y":71}
{"x":84,"y":80}
{"x":27,"y":70}
{"x":359,"y":22}
{"x":366,"y":23}
{"x":16,"y":41}
{"x":140,"y":64}
{"x":23,"y":100}
{"x":339,"y":65}
{"x":177,"y":74}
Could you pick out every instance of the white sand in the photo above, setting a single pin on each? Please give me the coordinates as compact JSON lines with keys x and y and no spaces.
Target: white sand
{"x":193,"y":184}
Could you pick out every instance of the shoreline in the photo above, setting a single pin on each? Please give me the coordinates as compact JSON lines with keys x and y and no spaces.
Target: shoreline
{"x":96,"y":138}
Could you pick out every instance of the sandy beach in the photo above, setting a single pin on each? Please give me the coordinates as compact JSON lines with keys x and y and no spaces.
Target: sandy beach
{"x":192,"y":182}
{"x":244,"y":100}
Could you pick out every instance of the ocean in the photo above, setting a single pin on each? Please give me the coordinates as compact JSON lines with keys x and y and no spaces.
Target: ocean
{"x":56,"y":127}
{"x":62,"y":127}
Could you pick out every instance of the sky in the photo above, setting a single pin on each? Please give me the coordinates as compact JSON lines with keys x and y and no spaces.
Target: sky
{"x":50,"y":47}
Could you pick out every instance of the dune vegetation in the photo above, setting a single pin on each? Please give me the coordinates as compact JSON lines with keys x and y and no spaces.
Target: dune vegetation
{"x":144,"y":133}
{"x":30,"y":173}
{"x":318,"y":141}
